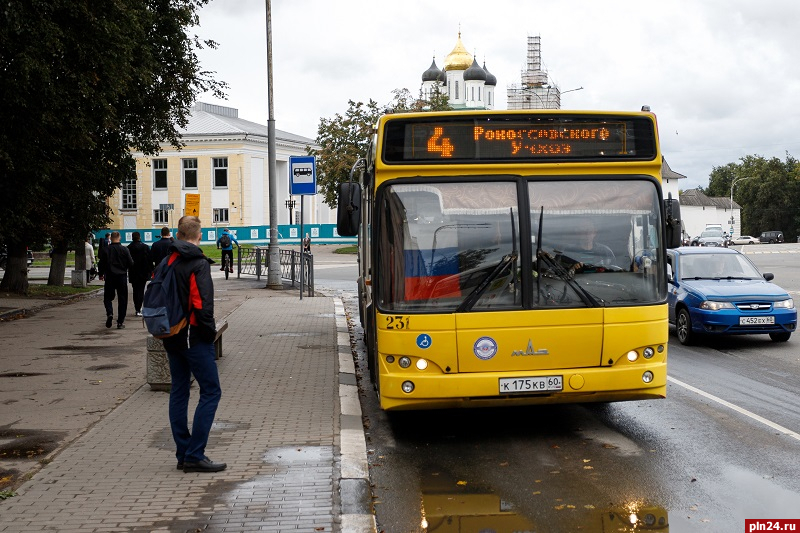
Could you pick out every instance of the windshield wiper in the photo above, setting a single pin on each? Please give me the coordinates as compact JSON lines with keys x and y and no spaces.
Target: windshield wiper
{"x":475,"y":295}
{"x":542,"y":257}
{"x":567,"y":276}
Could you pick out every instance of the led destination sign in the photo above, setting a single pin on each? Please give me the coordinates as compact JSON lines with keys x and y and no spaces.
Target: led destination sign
{"x":511,"y":138}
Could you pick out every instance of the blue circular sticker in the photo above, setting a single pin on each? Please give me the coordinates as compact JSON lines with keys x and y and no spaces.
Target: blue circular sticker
{"x":424,"y":341}
{"x":485,"y":348}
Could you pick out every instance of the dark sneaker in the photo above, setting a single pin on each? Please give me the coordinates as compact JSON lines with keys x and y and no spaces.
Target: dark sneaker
{"x":206,"y":465}
{"x":109,"y":320}
{"x":180,"y":466}
{"x":120,"y":326}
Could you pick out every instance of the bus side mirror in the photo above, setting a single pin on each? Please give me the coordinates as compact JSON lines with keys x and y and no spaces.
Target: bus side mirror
{"x":672,"y":212}
{"x":348,"y":211}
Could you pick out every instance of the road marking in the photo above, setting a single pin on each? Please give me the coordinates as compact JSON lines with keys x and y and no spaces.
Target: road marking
{"x":736,"y":408}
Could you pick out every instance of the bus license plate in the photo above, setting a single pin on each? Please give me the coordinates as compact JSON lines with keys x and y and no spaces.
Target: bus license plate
{"x":751,"y":320}
{"x":537,"y":384}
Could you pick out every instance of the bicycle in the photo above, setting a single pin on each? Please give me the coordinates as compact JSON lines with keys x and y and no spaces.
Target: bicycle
{"x":225,"y":266}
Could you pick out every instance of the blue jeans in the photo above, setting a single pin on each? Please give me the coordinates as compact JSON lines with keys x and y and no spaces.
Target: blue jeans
{"x":199,"y":360}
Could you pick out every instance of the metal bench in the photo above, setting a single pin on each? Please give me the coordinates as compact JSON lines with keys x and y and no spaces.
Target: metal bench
{"x":221,"y":326}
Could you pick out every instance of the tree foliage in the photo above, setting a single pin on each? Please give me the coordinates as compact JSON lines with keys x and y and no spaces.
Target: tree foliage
{"x":344,"y":139}
{"x":768,"y":190}
{"x":83,"y":84}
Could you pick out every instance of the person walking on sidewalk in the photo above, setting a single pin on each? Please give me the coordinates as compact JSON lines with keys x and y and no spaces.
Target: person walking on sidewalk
{"x":142,"y":270}
{"x":160,"y":248}
{"x":191,"y":351}
{"x":225,"y":242}
{"x":89,"y":251}
{"x":117,"y":260}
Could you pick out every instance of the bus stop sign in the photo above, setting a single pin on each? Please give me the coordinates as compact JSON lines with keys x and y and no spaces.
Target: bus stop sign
{"x":302,"y":175}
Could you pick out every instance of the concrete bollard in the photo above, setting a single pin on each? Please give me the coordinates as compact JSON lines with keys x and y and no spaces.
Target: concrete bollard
{"x":158,"y":375}
{"x":79,"y":278}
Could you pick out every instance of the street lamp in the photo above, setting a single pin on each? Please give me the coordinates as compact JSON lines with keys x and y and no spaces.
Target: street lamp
{"x":733,"y":220}
{"x":737,"y":180}
{"x":290,"y":205}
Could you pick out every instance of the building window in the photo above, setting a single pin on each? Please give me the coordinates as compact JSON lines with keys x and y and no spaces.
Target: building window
{"x":129,"y":193}
{"x":221,"y":215}
{"x":189,"y":173}
{"x":456,"y":95}
{"x":160,"y":216}
{"x":220,"y":171}
{"x":159,"y":173}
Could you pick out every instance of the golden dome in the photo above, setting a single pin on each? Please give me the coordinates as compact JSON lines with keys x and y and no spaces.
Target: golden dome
{"x":459,"y":58}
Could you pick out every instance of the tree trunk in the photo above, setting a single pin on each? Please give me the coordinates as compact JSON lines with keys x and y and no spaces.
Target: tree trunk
{"x":58,"y":264}
{"x":15,"y":278}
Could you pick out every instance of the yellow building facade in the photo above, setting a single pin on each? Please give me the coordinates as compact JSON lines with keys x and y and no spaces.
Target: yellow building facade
{"x":220,"y":175}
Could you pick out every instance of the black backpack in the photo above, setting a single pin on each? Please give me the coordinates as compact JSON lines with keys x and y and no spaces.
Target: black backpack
{"x":225,"y":240}
{"x":162,"y":311}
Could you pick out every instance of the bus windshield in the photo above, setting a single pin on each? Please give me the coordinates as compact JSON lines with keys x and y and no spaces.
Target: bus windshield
{"x":461,"y":246}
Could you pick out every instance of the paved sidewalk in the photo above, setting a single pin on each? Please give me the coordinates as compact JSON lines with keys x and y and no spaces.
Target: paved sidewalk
{"x":288,"y":425}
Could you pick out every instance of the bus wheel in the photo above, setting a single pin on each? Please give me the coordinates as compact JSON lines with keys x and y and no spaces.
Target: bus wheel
{"x":683,"y":327}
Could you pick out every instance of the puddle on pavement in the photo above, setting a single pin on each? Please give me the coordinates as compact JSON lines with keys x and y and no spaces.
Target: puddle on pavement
{"x":24,"y":445}
{"x":107,"y":367}
{"x":450,"y":505}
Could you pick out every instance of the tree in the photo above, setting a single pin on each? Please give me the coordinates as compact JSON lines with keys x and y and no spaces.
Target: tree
{"x":345,"y":139}
{"x":84,"y":84}
{"x":769,"y":196}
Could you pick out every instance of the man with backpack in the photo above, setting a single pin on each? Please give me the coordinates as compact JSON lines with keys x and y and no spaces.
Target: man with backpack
{"x":225,"y":242}
{"x":191,"y":350}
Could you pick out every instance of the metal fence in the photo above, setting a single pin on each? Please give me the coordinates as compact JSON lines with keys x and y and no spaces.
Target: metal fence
{"x":254,"y":261}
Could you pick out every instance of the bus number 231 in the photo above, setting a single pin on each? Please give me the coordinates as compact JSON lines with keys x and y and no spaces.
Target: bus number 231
{"x":397,"y":322}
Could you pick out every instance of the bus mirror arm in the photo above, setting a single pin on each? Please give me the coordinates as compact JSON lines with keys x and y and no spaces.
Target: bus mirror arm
{"x":672,"y":214}
{"x":348,"y":209}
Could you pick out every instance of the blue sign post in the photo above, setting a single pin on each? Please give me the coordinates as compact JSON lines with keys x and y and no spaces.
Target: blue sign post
{"x":302,"y":175}
{"x":302,"y":182}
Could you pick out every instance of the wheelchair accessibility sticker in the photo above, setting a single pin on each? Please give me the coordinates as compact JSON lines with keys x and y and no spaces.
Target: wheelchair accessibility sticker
{"x":424,"y":341}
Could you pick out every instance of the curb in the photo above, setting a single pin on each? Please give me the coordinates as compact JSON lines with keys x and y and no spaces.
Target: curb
{"x":355,"y":495}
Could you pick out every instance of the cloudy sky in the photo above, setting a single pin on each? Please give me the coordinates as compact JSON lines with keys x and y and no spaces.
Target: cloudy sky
{"x":722,"y":76}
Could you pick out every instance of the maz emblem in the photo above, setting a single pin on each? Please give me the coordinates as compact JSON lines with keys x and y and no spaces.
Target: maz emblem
{"x":529,"y":351}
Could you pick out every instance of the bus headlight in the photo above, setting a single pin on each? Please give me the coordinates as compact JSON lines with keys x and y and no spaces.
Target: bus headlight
{"x":633,"y":355}
{"x":408,"y":387}
{"x":648,"y":352}
{"x":647,"y":377}
{"x":404,"y":362}
{"x":422,"y":364}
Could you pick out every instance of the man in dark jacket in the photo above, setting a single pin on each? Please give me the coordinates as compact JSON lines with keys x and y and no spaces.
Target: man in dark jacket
{"x":117,"y":260}
{"x":142,"y":270}
{"x":160,"y":248}
{"x":191,"y":351}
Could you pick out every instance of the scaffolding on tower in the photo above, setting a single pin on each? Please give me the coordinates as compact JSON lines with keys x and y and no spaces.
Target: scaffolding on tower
{"x":534,"y":91}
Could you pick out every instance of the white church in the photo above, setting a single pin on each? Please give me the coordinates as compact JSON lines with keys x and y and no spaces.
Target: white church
{"x":467,"y":84}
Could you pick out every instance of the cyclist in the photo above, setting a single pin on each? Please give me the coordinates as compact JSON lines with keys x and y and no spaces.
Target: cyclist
{"x":225,"y":241}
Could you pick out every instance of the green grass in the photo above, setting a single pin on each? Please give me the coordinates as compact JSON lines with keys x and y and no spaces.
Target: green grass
{"x":347,"y":250}
{"x":37,"y":290}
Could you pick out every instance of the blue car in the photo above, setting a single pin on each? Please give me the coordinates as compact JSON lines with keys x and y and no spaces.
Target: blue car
{"x":719,"y":291}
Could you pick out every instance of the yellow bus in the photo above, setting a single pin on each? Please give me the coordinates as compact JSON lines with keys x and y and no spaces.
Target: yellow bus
{"x":512,"y":257}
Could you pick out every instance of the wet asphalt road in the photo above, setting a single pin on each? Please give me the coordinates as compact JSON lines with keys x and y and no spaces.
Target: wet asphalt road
{"x":722,"y":447}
